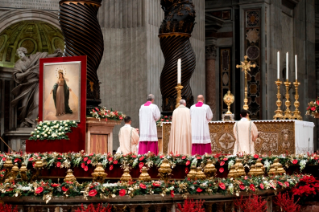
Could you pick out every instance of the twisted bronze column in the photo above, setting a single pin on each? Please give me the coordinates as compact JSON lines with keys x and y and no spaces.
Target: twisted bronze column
{"x":174,"y":35}
{"x":83,"y":36}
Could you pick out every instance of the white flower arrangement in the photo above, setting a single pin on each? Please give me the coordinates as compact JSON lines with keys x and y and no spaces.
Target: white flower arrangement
{"x":58,"y":129}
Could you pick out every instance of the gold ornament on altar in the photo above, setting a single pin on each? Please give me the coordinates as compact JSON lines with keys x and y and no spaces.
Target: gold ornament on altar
{"x":192,"y":173}
{"x":276,"y":168}
{"x":257,"y":170}
{"x":178,"y":88}
{"x":126,"y":175}
{"x":237,"y":170}
{"x":37,"y":166}
{"x":245,"y":66}
{"x":229,"y":99}
{"x":99,"y":174}
{"x":296,"y":113}
{"x":144,"y":176}
{"x":15,"y":171}
{"x":8,"y":164}
{"x":210,"y":169}
{"x":200,"y":174}
{"x":69,"y":176}
{"x":287,"y":102}
{"x":278,"y":112}
{"x":165,"y":170}
{"x":23,"y":172}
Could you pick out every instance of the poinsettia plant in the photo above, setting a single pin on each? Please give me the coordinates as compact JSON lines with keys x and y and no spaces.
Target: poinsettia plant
{"x":191,"y":206}
{"x":313,"y":107}
{"x":8,"y":208}
{"x":307,"y":189}
{"x":103,"y":113}
{"x":91,"y":208}
{"x":163,"y":118}
{"x":251,"y":204}
{"x":52,"y":130}
{"x":286,"y":203}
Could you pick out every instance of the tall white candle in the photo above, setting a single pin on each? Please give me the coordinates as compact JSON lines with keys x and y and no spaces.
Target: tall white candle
{"x":179,"y":71}
{"x":296,"y":67}
{"x":287,"y":65}
{"x":278,"y":65}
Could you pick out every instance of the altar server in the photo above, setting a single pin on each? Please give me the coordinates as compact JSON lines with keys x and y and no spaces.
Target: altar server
{"x":149,"y":114}
{"x":201,"y":114}
{"x":246,"y":133}
{"x":128,"y":137}
{"x":180,"y":140}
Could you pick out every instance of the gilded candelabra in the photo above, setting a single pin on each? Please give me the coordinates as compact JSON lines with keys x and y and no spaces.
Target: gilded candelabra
{"x":245,"y":66}
{"x":296,"y":104}
{"x":278,"y":112}
{"x":287,"y":103}
{"x":178,"y":88}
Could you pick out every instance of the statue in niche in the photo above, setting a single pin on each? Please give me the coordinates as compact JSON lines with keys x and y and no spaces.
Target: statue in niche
{"x":26,"y":75}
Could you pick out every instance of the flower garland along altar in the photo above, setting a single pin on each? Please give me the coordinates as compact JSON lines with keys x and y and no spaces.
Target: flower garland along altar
{"x":102,"y":113}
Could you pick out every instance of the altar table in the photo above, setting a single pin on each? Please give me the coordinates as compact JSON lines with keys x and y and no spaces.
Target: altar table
{"x":276,"y":137}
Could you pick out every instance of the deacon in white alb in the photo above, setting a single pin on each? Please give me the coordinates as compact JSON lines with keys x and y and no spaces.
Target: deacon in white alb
{"x":128,"y":137}
{"x":246,"y":133}
{"x":149,"y":114}
{"x":201,"y":114}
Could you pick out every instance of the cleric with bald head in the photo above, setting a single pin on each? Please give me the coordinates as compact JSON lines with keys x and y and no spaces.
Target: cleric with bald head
{"x":201,"y":114}
{"x":149,"y":114}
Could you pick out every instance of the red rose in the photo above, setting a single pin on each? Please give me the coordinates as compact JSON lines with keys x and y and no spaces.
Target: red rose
{"x":172,"y":193}
{"x":121,"y":117}
{"x":141,"y":158}
{"x":30,"y":159}
{"x":64,"y":189}
{"x":199,"y":157}
{"x":59,"y":158}
{"x":85,"y":159}
{"x":199,"y":190}
{"x":82,"y":165}
{"x":177,"y":155}
{"x":222,"y":163}
{"x":141,"y":164}
{"x":222,"y":186}
{"x":111,"y":167}
{"x":317,"y":102}
{"x":16,"y":160}
{"x":221,"y":170}
{"x":9,"y":189}
{"x":39,"y":190}
{"x":110,"y":159}
{"x":245,"y":177}
{"x":115,"y":162}
{"x":97,"y":109}
{"x":122,"y":192}
{"x":186,"y":170}
{"x":142,"y":186}
{"x":256,"y":156}
{"x":280,"y":183}
{"x":133,"y":156}
{"x":4,"y":159}
{"x":156,"y":184}
{"x":287,"y":184}
{"x":86,"y":168}
{"x":184,"y":157}
{"x":313,"y":108}
{"x":252,"y":187}
{"x":261,"y":186}
{"x":162,"y":119}
{"x":55,"y":185}
{"x":242,"y":186}
{"x":225,"y":159}
{"x":58,"y":164}
{"x":295,"y":161}
{"x":33,"y":164}
{"x":92,"y":193}
{"x":88,"y":162}
{"x":187,"y":163}
{"x":161,"y":156}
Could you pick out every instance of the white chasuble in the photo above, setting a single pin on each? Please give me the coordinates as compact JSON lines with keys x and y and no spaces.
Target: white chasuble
{"x":128,"y":137}
{"x":201,"y":115}
{"x":148,"y":117}
{"x":246,"y":133}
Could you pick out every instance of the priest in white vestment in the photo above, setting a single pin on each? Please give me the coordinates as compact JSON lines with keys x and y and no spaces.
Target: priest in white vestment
{"x":180,"y":140}
{"x":201,"y":115}
{"x":128,"y":137}
{"x":149,"y":114}
{"x":246,"y":133}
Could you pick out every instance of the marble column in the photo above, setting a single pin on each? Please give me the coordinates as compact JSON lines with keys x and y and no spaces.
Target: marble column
{"x":210,"y":78}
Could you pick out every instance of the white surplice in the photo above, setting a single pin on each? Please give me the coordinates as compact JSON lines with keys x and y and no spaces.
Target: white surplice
{"x":200,"y":117}
{"x":128,"y":138}
{"x":148,"y":117}
{"x":246,"y":133}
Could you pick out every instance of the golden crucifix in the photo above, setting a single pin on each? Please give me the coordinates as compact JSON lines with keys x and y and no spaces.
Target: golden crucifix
{"x":245,"y":66}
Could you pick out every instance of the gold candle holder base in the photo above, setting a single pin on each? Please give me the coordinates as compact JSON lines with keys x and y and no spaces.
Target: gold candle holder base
{"x":296,"y":113}
{"x":287,"y":102}
{"x":178,"y":88}
{"x":278,"y":113}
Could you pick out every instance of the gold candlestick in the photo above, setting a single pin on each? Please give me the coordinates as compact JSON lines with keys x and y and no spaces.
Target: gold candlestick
{"x":296,"y":113}
{"x":245,"y":66}
{"x":278,"y":112}
{"x":178,"y":88}
{"x":287,"y":103}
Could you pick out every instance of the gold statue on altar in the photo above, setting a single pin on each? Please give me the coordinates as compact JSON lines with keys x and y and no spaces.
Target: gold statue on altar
{"x":245,"y":66}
